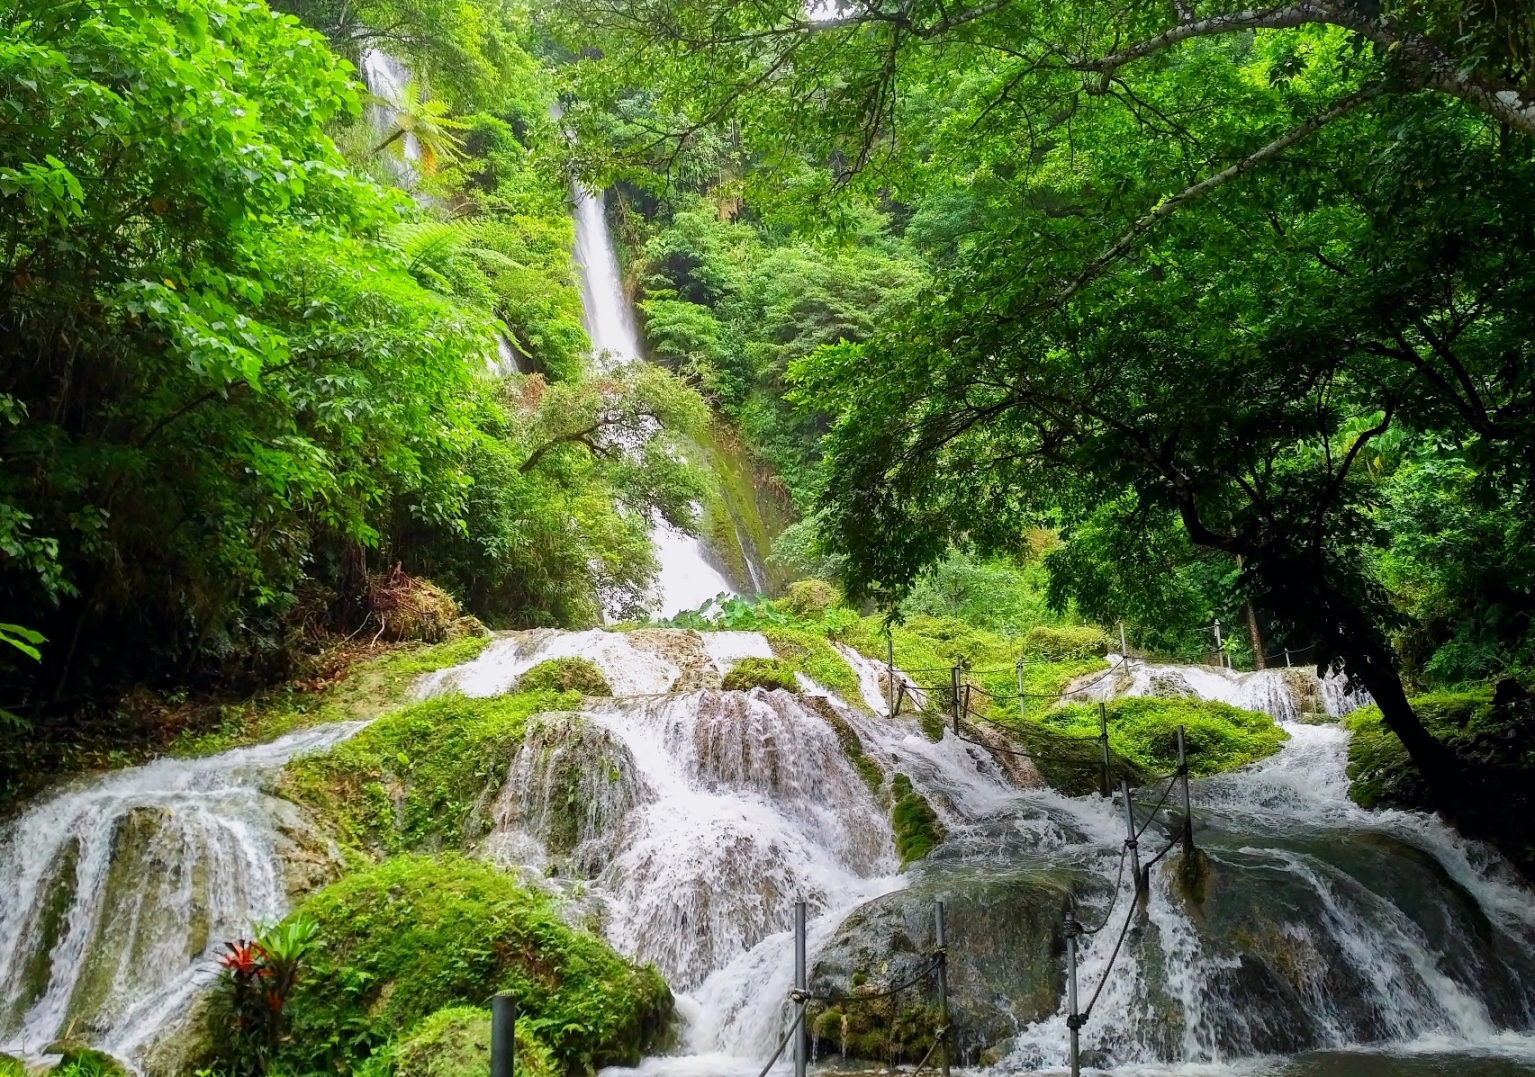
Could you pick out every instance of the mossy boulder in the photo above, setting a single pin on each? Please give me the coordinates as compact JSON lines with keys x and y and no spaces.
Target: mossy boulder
{"x":455,"y":1042}
{"x":1063,"y":643}
{"x":571,"y":674}
{"x":407,"y":608}
{"x":414,"y":935}
{"x":1144,"y":731}
{"x":810,"y":598}
{"x":811,"y":653}
{"x":1005,"y":964}
{"x":913,"y":821}
{"x":768,"y":673}
{"x":421,"y":778}
{"x":77,"y":1060}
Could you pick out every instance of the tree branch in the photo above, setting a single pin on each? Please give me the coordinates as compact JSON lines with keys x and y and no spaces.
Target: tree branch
{"x":1091,"y":271}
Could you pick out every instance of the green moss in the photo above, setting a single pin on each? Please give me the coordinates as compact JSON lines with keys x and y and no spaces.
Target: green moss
{"x":915,"y":824}
{"x":890,"y":1031}
{"x":751,"y":673}
{"x":1475,"y":730}
{"x":579,"y":675}
{"x":455,"y":1042}
{"x":1064,"y":643}
{"x":366,"y":690}
{"x":1217,"y":737}
{"x":810,"y":598}
{"x":418,"y":778}
{"x":414,"y":935}
{"x":810,"y":653}
{"x":11,"y":1067}
{"x":79,"y":1061}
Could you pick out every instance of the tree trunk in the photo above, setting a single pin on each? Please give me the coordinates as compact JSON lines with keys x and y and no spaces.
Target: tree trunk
{"x":1255,"y":630}
{"x":1436,"y":763}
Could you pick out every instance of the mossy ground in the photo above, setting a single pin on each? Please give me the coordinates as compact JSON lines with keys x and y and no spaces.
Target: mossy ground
{"x":1495,"y":743}
{"x":413,"y":935}
{"x":419,"y":778}
{"x":1217,"y":736}
{"x":346,"y":682}
{"x":808,"y":651}
{"x":751,"y":673}
{"x":455,"y":1042}
{"x":569,"y":674}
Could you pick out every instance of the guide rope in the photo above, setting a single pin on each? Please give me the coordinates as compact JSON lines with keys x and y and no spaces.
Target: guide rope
{"x":920,"y":975}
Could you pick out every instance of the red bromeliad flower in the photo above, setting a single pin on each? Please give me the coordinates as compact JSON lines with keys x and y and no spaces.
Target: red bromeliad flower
{"x":243,"y":958}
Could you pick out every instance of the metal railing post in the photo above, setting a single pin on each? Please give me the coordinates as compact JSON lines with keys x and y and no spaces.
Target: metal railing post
{"x":1188,"y":815}
{"x":1021,"y":709}
{"x":1220,"y":654}
{"x":801,"y":984}
{"x":503,"y":1035}
{"x":1103,"y":739}
{"x":890,"y":671}
{"x":943,"y":988}
{"x":1130,"y":842}
{"x":954,"y":689}
{"x":1073,"y":1019}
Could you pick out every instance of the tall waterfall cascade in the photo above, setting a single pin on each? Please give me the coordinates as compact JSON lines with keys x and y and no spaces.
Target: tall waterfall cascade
{"x":687,"y":820}
{"x":687,"y":578}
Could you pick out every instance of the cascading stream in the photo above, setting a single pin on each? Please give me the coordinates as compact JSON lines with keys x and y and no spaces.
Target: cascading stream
{"x":687,"y":577}
{"x":122,"y":889}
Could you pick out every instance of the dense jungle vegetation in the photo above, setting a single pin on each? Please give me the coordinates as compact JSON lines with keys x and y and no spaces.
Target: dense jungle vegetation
{"x":1148,"y":314}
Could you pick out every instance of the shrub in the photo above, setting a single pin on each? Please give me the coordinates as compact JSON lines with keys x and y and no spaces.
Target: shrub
{"x":810,"y":598}
{"x":418,"y":777}
{"x":1062,"y":643}
{"x":410,"y":608}
{"x":455,"y":1042}
{"x":77,"y":1060}
{"x":255,"y":986}
{"x":1218,"y":737}
{"x":415,"y":935}
{"x":751,"y":673}
{"x":11,"y":1067}
{"x":579,"y":675}
{"x":914,"y":822}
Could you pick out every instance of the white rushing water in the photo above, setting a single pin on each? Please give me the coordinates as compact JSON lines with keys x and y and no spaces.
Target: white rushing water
{"x":388,"y":80}
{"x":121,"y":890}
{"x":688,"y":578}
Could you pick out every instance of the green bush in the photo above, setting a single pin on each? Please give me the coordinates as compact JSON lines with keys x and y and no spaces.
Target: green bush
{"x":414,"y":935}
{"x":579,"y":675}
{"x":1062,"y":643}
{"x":455,"y":1042}
{"x":751,"y":673}
{"x":914,"y":822}
{"x":417,"y":778}
{"x":809,"y":652}
{"x":1218,"y":737}
{"x":810,"y":598}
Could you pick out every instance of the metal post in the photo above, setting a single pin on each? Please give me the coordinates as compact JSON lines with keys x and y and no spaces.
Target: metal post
{"x":1220,"y":654}
{"x":1073,"y":1022}
{"x":1103,"y":739}
{"x":1287,"y":657}
{"x":1019,"y":667}
{"x":1188,"y":815}
{"x":1124,"y":650}
{"x":890,"y":671}
{"x":954,"y":689}
{"x":503,"y":1035}
{"x":801,"y":1046}
{"x":1130,"y":842}
{"x":943,"y":988}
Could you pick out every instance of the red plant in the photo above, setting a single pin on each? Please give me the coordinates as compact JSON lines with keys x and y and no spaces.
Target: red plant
{"x":259,"y":977}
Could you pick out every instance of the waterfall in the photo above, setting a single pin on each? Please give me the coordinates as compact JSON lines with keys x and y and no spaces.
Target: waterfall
{"x":388,"y":80}
{"x":687,"y":578}
{"x":121,"y":890}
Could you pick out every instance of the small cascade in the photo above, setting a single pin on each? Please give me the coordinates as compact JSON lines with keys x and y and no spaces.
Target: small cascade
{"x":688,"y":577}
{"x":1286,"y":695}
{"x":122,"y":889}
{"x":388,"y":80}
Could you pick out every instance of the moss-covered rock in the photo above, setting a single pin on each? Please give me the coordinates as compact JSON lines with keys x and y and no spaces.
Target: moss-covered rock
{"x":768,"y":673}
{"x":415,"y":935}
{"x":913,"y":821}
{"x":851,"y":743}
{"x":1218,"y":737}
{"x":1063,"y":643}
{"x":570,"y":674}
{"x":77,"y":1060}
{"x":810,"y":598}
{"x":1005,"y":967}
{"x":420,"y":778}
{"x":455,"y":1042}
